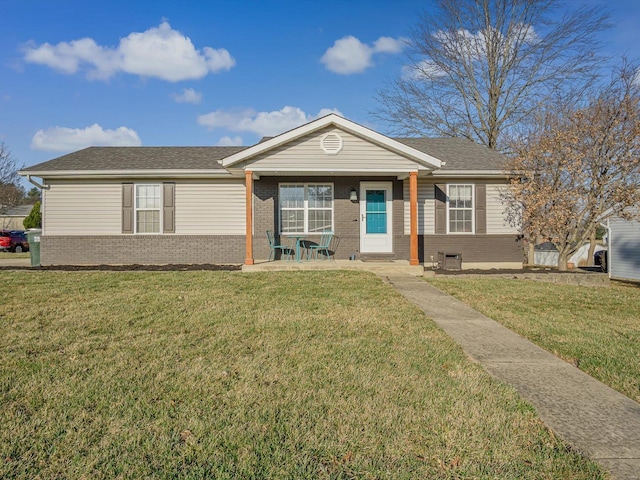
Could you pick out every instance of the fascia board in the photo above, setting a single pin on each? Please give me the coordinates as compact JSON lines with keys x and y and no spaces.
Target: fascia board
{"x":471,"y":173}
{"x":125,"y":173}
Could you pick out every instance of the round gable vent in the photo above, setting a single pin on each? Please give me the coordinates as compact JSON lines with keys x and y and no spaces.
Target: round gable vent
{"x":331,"y":143}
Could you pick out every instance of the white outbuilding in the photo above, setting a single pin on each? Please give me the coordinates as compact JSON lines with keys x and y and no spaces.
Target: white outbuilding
{"x":624,"y":249}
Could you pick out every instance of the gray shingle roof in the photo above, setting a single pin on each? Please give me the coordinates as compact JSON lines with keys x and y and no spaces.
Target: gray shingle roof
{"x":17,"y":211}
{"x":139,"y":158}
{"x":459,"y":154}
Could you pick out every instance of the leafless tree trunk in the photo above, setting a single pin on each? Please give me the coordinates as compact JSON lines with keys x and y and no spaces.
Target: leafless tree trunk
{"x":479,"y":68}
{"x":592,"y":248}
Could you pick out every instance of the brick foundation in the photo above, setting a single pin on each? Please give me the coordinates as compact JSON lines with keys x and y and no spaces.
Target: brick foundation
{"x":141,"y":249}
{"x":474,"y":248}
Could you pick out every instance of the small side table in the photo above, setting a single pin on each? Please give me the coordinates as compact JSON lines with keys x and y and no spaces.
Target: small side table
{"x":298,"y":249}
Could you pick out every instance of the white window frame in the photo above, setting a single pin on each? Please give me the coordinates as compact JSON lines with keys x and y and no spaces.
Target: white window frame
{"x":136,"y":209}
{"x":473,"y":208}
{"x":306,"y":208}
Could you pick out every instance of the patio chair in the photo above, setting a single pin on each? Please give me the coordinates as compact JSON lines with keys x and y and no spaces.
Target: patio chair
{"x":286,"y":250}
{"x":322,"y":246}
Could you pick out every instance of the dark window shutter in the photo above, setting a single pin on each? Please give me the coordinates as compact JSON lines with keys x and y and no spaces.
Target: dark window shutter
{"x":168,"y":208}
{"x":481,"y":209}
{"x":127,"y":207}
{"x":441,"y":209}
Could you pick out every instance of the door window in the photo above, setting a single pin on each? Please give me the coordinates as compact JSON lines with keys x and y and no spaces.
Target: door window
{"x":376,"y":211}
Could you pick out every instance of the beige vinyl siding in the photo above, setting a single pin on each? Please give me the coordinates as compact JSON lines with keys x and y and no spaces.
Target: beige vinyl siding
{"x":426,"y":207}
{"x":82,"y":208}
{"x":212,"y":207}
{"x":496,"y":220}
{"x":306,"y":155}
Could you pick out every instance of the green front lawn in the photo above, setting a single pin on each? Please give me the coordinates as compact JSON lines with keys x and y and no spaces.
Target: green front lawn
{"x":13,"y":255}
{"x":596,"y":329}
{"x":228,"y":375}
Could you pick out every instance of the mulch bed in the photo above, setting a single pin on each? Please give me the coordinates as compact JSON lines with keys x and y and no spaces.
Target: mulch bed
{"x":128,"y":268}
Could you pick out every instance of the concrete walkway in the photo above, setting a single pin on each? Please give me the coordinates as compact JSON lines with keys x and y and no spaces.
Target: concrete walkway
{"x":591,"y":417}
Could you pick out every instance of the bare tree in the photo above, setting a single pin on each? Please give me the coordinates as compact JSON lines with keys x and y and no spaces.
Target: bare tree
{"x":477,"y":68}
{"x":10,"y":190}
{"x":577,"y":165}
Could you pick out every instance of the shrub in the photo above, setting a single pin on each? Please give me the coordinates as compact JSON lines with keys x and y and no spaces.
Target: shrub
{"x":34,"y":219}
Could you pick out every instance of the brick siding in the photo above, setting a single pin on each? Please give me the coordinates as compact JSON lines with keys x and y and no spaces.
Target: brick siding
{"x":474,"y":248}
{"x":141,"y":249}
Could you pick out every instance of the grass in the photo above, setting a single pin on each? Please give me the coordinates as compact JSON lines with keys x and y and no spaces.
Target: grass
{"x":597,"y":330}
{"x":12,"y":255}
{"x":227,"y":375}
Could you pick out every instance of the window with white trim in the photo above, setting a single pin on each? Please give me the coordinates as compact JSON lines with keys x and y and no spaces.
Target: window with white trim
{"x":148,"y":206}
{"x":306,"y":207}
{"x":460,"y":208}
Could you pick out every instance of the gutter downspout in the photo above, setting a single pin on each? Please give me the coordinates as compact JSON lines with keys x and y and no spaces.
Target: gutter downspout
{"x":42,"y":189}
{"x":608,"y":226}
{"x":33,"y":182}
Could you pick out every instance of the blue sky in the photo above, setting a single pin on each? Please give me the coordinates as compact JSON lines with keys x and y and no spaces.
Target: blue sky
{"x":76,"y":73}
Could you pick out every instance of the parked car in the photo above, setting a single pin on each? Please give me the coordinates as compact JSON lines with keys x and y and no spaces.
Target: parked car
{"x":14,"y":241}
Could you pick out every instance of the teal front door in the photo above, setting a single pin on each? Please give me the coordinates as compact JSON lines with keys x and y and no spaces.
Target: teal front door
{"x":376,"y":200}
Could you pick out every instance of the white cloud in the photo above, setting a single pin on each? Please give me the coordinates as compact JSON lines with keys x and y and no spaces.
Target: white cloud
{"x":475,"y":44}
{"x":423,"y":70}
{"x":349,"y":55}
{"x":227,"y":141}
{"x":530,"y":35}
{"x":188,"y":95}
{"x":464,"y":42}
{"x":261,"y":123}
{"x":63,"y":139}
{"x":389,"y":45}
{"x":159,"y":52}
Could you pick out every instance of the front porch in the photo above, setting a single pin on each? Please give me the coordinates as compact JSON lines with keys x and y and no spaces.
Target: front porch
{"x":377,"y":267}
{"x":368,"y":233}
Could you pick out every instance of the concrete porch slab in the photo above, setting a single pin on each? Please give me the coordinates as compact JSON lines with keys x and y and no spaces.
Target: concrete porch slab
{"x":384,"y":267}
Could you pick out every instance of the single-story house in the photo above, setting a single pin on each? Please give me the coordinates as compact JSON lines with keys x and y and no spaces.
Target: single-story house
{"x":11,"y":218}
{"x":382,"y":197}
{"x":624,"y":249}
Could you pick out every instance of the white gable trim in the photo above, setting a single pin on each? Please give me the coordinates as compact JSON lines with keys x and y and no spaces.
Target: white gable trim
{"x":332,"y":119}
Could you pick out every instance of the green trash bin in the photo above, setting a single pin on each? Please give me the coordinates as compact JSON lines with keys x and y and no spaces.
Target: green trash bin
{"x":33,"y":237}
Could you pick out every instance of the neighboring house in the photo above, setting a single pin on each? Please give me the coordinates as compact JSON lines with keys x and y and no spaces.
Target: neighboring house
{"x":624,"y":249}
{"x":11,"y":218}
{"x":581,"y":257}
{"x":383,"y":198}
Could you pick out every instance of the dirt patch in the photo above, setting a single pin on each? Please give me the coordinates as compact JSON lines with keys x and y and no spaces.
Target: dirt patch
{"x":571,"y":277}
{"x":517,"y":271}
